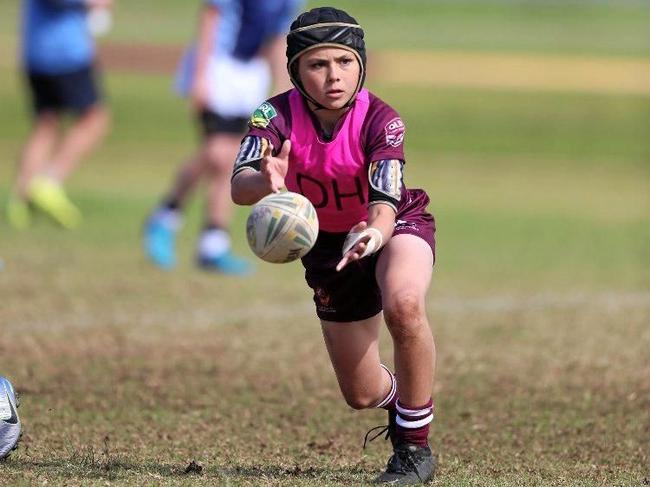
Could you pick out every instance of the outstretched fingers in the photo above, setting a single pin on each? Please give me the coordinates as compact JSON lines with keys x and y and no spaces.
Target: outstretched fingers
{"x":360,"y":242}
{"x":284,"y":150}
{"x":274,"y":168}
{"x":355,"y":254}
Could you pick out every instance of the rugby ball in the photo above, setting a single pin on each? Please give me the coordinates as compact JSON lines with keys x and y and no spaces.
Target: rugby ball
{"x":282,"y":227}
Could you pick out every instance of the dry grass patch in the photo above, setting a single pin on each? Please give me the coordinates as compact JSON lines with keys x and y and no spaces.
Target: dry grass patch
{"x":526,"y":396}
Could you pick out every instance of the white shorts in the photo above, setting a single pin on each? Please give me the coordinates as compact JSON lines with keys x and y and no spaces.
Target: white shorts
{"x":236,"y":88}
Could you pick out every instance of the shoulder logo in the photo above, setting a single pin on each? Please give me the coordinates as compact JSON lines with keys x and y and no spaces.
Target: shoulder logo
{"x":395,"y":132}
{"x":262,"y":116}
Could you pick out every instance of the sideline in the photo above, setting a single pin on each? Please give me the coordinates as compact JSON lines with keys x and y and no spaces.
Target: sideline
{"x":528,"y":72}
{"x":485,"y":70}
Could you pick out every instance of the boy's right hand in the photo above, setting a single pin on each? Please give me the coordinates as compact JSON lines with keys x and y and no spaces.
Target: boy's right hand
{"x":274,"y":168}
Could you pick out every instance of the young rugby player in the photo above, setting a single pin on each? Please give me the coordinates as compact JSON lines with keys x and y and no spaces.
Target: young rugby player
{"x":342,"y":147}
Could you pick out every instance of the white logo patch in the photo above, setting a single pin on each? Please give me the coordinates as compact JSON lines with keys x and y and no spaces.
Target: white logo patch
{"x":395,"y":132}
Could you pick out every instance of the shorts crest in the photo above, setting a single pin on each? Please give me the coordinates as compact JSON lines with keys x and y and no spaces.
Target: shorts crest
{"x":262,"y":116}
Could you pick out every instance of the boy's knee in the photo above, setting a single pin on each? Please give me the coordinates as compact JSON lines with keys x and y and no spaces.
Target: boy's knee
{"x":362,"y":395}
{"x":405,"y":315}
{"x":360,"y":401}
{"x":217,"y":158}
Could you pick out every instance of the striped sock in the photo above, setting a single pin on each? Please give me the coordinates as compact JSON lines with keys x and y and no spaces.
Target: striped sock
{"x":388,"y":402}
{"x":413,"y":423}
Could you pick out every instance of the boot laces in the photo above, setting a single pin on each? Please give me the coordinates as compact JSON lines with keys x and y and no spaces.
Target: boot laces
{"x":375,"y":433}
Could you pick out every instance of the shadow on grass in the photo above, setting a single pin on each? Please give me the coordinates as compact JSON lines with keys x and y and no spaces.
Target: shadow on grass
{"x":86,"y":464}
{"x":346,"y":475}
{"x":109,"y":470}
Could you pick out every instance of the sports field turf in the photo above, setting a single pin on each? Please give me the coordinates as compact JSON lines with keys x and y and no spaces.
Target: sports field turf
{"x":540,"y":303}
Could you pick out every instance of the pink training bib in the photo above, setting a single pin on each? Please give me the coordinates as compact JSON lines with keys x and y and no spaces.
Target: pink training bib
{"x":332,"y":175}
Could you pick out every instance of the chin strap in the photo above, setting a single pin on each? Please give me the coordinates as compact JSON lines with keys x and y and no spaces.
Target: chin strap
{"x":372,"y":246}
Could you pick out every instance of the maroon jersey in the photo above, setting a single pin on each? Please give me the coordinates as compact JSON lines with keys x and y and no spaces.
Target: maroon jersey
{"x":382,"y":132}
{"x":333,"y":172}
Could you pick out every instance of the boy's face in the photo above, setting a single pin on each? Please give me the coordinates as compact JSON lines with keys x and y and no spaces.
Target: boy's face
{"x":330,"y":75}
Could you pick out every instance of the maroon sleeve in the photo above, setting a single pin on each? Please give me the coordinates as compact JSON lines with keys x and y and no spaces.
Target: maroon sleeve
{"x":383,"y":132}
{"x":272,"y":121}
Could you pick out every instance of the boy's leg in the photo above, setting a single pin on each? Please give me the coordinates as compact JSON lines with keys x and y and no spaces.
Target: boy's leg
{"x":85,"y":133}
{"x":236,"y":88}
{"x":37,"y":150}
{"x":35,"y":155}
{"x":214,"y":253}
{"x":77,"y":92}
{"x":159,"y":238}
{"x":403,"y":272}
{"x":353,"y":348}
{"x":46,"y":191}
{"x":163,"y":223}
{"x":220,"y":151}
{"x":185,"y":181}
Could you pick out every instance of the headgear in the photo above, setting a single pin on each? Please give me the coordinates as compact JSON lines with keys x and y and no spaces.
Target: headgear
{"x":325,"y":27}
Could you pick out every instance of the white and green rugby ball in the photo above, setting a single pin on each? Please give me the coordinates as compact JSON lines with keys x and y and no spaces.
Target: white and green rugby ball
{"x":282,"y":227}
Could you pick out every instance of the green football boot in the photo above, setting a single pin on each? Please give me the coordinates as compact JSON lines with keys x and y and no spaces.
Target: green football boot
{"x":50,"y":198}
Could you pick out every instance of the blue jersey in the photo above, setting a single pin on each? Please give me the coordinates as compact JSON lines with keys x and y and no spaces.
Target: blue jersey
{"x":245,"y":25}
{"x":55,"y":37}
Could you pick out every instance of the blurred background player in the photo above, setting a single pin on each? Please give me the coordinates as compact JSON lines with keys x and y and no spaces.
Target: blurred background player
{"x":239,"y":50}
{"x":58,"y":58}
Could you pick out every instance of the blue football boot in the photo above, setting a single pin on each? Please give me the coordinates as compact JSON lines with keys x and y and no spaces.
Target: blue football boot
{"x":9,"y":421}
{"x":159,"y":239}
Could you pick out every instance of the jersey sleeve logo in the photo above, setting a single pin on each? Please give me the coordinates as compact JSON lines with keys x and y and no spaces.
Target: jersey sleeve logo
{"x":262,"y":116}
{"x":395,"y":132}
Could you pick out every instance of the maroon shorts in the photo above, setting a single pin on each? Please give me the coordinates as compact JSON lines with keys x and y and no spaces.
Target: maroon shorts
{"x":353,"y":293}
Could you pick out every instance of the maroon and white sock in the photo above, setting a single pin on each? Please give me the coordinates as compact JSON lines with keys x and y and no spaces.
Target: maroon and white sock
{"x":388,"y":402}
{"x":413,"y":422}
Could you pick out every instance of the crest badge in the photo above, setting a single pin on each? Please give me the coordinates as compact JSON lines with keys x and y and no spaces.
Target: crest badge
{"x":262,"y":116}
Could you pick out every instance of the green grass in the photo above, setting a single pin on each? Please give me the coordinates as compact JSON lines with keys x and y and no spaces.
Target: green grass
{"x":580,"y":127}
{"x":615,"y":28}
{"x":539,"y":305}
{"x":540,"y":300}
{"x":554,"y":186}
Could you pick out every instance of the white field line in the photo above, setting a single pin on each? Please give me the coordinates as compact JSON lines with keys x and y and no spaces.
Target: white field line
{"x":203,"y":318}
{"x":529,"y":72}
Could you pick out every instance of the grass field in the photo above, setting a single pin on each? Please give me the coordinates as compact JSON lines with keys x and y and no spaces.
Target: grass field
{"x":540,"y":303}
